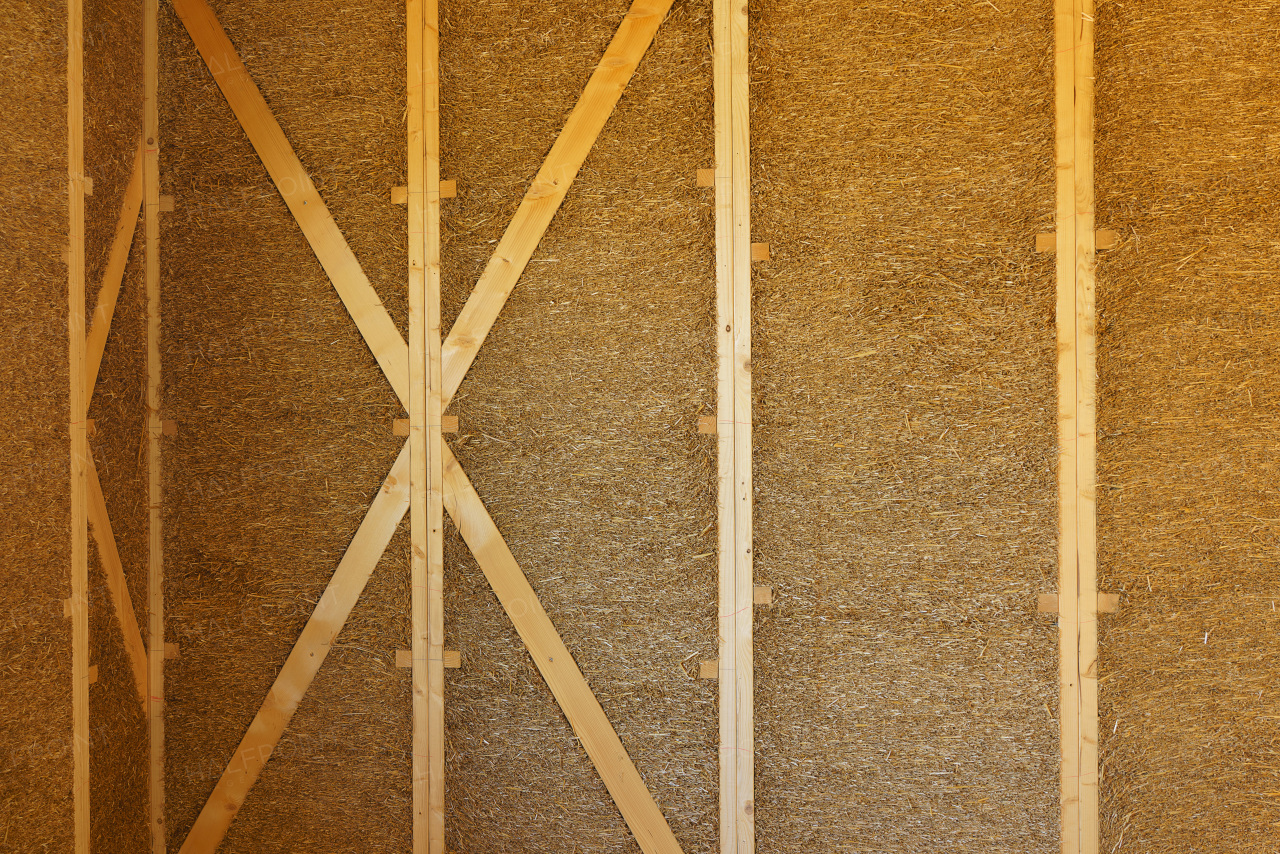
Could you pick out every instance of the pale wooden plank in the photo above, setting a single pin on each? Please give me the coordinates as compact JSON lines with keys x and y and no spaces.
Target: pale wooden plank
{"x":1086,"y":426}
{"x":555,"y":662}
{"x":113,"y":570}
{"x":436,"y":655}
{"x":155,"y":532}
{"x":722,"y":77}
{"x":78,"y":402}
{"x":549,"y":187}
{"x":304,"y":661}
{"x":113,"y":275}
{"x":1068,"y":509}
{"x":744,"y":585}
{"x":298,"y":192}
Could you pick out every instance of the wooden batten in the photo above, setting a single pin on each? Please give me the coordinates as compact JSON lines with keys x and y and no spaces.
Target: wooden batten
{"x":1077,"y":559}
{"x":155,"y":498}
{"x":78,"y":405}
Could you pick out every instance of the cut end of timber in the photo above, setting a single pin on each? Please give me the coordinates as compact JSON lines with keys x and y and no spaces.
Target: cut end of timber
{"x":1046,"y":242}
{"x":88,"y":186}
{"x":166,"y":204}
{"x":90,"y":428}
{"x":759,"y":251}
{"x":762,"y":595}
{"x":709,"y":669}
{"x":707,"y":424}
{"x":93,"y":673}
{"x":171,"y":651}
{"x":66,"y":608}
{"x":448,"y":189}
{"x":169,"y":428}
{"x":1047,"y":603}
{"x":399,"y":195}
{"x":706,"y":177}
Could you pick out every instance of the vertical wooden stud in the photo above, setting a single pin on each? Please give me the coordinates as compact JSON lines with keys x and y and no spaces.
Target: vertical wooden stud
{"x":1077,"y":576}
{"x":425,"y":439}
{"x":733,"y":305}
{"x":79,"y":436}
{"x":155,"y":550}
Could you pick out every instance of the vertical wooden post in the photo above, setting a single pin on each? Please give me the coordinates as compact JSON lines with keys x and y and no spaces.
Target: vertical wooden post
{"x":733,"y":311}
{"x":425,"y":438}
{"x":435,"y":439}
{"x":1077,"y":574}
{"x":79,"y":436}
{"x":155,"y":550}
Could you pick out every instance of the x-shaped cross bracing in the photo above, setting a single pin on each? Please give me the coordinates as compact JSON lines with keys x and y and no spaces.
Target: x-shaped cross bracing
{"x":458,"y":351}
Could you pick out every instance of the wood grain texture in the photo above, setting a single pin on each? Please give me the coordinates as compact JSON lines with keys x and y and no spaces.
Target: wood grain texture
{"x":427,"y":513}
{"x":549,"y":188}
{"x":1077,"y":574}
{"x":555,"y":663}
{"x":298,"y":192}
{"x":78,"y":403}
{"x":304,"y":661}
{"x":155,"y":531}
{"x":109,"y":290}
{"x":734,"y":254}
{"x":113,"y":570}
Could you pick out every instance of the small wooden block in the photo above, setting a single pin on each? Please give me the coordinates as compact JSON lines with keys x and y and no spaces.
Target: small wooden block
{"x":1047,"y":242}
{"x":93,"y":673}
{"x":1047,"y":603}
{"x":759,"y":251}
{"x":66,"y":254}
{"x":452,"y":659}
{"x":1108,"y":603}
{"x":169,"y":428}
{"x":90,"y":428}
{"x":1106,"y":238}
{"x":707,"y":424}
{"x":399,"y":195}
{"x":166,"y":204}
{"x":709,"y":669}
{"x":171,"y":651}
{"x":448,"y":424}
{"x":448,"y":190}
{"x":88,"y":186}
{"x":762,"y":595}
{"x":706,"y":177}
{"x":66,"y":608}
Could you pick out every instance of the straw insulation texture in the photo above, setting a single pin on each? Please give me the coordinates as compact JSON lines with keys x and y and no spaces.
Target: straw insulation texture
{"x":285,"y":426}
{"x":903,"y":359}
{"x":1189,"y":330}
{"x":35,"y":546}
{"x":579,"y":426}
{"x":113,"y":120}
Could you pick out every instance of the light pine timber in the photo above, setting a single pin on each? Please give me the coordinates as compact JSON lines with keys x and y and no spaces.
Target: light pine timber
{"x":155,"y":533}
{"x":78,"y":430}
{"x":734,"y":253}
{"x":1078,"y":599}
{"x":436,"y":655}
{"x":298,"y":192}
{"x":549,"y":187}
{"x":416,"y":199}
{"x":113,"y":275}
{"x":555,"y":663}
{"x":313,"y":645}
{"x":113,"y":570}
